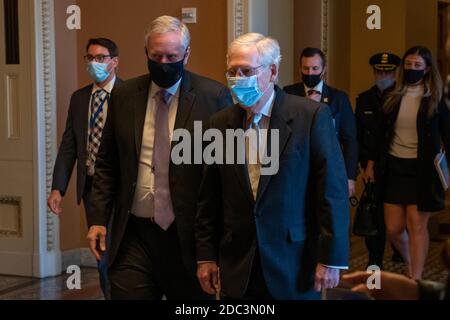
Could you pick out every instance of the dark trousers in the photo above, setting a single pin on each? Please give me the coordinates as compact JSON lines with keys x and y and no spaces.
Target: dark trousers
{"x":376,"y":244}
{"x":149,"y":265}
{"x":257,"y":287}
{"x":102,"y":265}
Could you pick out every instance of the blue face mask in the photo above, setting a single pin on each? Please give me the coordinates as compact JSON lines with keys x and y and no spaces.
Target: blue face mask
{"x":245,"y":90}
{"x":384,"y":84}
{"x":98,"y":71}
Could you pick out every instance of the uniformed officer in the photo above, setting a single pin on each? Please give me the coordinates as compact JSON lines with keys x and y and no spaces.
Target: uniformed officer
{"x":368,"y":108}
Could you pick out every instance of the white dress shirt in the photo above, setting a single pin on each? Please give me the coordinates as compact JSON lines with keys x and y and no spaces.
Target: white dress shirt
{"x":266,"y":111}
{"x":254,"y":169}
{"x":145,"y":186}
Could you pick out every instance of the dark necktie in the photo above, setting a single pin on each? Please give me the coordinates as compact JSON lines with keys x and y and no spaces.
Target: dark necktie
{"x":163,"y":213}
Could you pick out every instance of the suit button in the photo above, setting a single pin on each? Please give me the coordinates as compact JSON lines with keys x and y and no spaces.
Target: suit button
{"x":134,"y":184}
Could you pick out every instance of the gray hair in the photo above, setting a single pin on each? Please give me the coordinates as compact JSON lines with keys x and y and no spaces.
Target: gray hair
{"x":268,"y":48}
{"x":165,"y":24}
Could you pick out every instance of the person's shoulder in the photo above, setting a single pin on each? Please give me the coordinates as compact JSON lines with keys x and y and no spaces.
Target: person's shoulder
{"x":302,"y":106}
{"x":82,"y":91}
{"x":203,"y":83}
{"x":222,"y":117}
{"x":81,"y":97}
{"x":339,"y":99}
{"x":118,"y":83}
{"x":293,"y":88}
{"x":337,"y":93}
{"x":133,"y":83}
{"x":368,"y":94}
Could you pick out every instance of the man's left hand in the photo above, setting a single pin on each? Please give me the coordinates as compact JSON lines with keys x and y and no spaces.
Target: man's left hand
{"x":326,"y":278}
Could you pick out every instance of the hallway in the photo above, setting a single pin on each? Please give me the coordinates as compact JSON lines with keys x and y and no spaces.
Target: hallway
{"x":20,"y":288}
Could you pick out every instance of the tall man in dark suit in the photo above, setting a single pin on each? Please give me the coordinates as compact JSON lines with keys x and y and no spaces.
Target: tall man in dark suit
{"x":313,"y":69}
{"x":82,"y":137}
{"x":273,"y":234}
{"x":152,"y":240}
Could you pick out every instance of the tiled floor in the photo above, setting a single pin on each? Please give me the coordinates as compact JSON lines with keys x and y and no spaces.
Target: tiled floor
{"x":18,"y":288}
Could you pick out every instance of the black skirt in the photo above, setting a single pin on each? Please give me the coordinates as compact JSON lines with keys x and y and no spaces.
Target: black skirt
{"x":401,"y":184}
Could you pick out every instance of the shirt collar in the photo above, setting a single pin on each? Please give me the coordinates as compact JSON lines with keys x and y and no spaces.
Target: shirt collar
{"x":319,"y":87}
{"x":267,"y":109}
{"x":108,"y":87}
{"x":172,"y":90}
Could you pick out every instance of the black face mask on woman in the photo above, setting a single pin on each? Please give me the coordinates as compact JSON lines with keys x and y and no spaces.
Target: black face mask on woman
{"x":413,"y":76}
{"x":165,"y":75}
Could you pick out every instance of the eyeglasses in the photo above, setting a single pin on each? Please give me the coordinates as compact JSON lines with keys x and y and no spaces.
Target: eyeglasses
{"x":246,"y":72}
{"x":98,"y":58}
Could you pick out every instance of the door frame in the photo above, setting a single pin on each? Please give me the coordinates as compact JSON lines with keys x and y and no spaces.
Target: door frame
{"x":47,"y":253}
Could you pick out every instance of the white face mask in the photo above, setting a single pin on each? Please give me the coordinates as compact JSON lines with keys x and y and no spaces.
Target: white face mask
{"x":246,"y":90}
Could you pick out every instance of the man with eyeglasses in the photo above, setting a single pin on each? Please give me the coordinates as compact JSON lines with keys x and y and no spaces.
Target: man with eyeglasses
{"x":82,"y":137}
{"x":313,"y":67}
{"x":281,"y":235}
{"x":152,"y":240}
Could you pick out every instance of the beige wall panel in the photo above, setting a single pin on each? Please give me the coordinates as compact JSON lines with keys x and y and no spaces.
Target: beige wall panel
{"x":16,"y":218}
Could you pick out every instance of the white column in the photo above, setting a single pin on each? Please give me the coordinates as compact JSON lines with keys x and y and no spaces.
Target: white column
{"x":47,"y":254}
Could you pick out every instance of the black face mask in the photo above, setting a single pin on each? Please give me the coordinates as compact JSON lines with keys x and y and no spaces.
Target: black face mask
{"x":414,"y":76}
{"x":165,"y":75}
{"x":311,"y":80}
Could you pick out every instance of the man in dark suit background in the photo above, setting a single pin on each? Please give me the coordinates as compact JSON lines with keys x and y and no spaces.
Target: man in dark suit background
{"x":281,"y":235}
{"x":313,"y":68}
{"x":82,"y":136}
{"x":152,"y":240}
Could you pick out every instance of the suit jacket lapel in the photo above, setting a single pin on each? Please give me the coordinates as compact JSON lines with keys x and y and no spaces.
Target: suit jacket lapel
{"x":235,"y":122}
{"x":280,"y":120}
{"x":326,"y":99}
{"x":140,"y":109}
{"x":118,"y":82}
{"x":186,"y":101}
{"x":301,"y":89}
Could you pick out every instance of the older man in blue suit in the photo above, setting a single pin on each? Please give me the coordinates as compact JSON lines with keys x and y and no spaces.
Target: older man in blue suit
{"x":277,"y":235}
